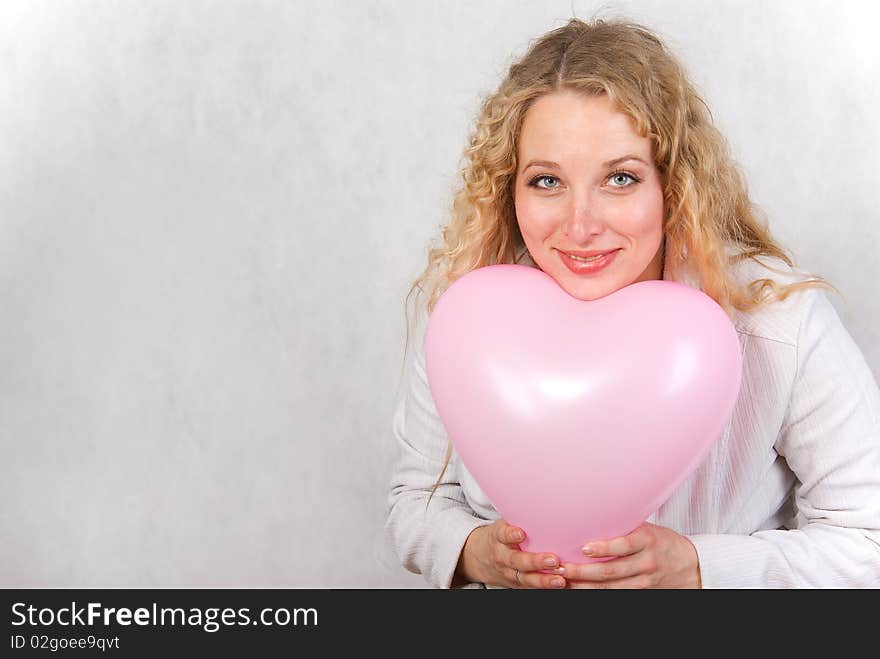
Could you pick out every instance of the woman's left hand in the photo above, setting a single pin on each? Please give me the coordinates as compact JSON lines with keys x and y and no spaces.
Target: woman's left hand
{"x":649,"y":557}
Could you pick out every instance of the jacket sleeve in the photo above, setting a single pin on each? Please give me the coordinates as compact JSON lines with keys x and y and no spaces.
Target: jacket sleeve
{"x":831,"y":441}
{"x":428,"y":538}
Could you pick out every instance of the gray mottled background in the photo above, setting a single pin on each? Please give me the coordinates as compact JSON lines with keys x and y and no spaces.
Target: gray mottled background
{"x":210,"y":213}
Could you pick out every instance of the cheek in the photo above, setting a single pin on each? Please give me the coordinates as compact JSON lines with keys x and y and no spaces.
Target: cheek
{"x":534,"y":217}
{"x":645,"y":214}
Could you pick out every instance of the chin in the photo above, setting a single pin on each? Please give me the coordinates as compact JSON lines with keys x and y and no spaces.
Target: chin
{"x":590,"y":293}
{"x":586,"y":288}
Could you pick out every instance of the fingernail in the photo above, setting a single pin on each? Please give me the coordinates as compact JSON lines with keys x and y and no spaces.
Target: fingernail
{"x":550,"y":562}
{"x":558,"y":570}
{"x":558,"y":583}
{"x":518,"y":535}
{"x":587,"y":549}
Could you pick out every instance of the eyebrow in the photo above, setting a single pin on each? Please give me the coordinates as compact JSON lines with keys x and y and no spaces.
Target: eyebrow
{"x":607,"y":163}
{"x":617,"y":161}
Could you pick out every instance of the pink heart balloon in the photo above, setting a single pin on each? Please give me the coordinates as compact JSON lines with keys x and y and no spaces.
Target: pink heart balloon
{"x":579,"y":419}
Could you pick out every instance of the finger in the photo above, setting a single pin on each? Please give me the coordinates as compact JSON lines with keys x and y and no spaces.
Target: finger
{"x":604,"y":571}
{"x":525,"y":561}
{"x":528,"y":562}
{"x":627,"y":545}
{"x":509,"y":534}
{"x":535,"y":570}
{"x":522,"y":579}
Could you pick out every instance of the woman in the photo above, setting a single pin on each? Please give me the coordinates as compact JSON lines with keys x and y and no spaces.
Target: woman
{"x":597,"y":162}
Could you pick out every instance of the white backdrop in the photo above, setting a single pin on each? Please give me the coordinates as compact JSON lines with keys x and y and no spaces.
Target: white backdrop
{"x":210,"y":213}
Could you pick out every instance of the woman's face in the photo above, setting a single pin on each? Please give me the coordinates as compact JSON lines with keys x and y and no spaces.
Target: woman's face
{"x":586,"y":182}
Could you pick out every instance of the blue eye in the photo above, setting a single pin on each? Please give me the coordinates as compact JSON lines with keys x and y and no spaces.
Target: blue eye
{"x":622,"y":179}
{"x":544,"y":177}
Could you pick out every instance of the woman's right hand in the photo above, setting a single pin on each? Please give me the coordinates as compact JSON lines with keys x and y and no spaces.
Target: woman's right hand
{"x":491,"y":555}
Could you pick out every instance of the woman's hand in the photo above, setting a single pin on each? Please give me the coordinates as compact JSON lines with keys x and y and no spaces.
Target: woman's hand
{"x":491,"y":555}
{"x":649,"y":557}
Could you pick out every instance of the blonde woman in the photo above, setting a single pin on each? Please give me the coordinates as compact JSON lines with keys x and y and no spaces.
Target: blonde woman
{"x":597,"y":162}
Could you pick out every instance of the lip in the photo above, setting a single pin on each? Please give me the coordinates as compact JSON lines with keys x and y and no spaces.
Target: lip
{"x":579,"y":268}
{"x":586,"y":255}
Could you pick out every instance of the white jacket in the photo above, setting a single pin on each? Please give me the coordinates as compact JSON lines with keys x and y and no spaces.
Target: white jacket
{"x":789,"y":496}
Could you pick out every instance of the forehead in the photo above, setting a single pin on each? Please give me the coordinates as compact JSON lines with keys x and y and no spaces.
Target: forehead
{"x":570,"y":122}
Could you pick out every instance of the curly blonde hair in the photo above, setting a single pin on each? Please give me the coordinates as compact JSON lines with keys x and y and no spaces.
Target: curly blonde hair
{"x":706,"y":201}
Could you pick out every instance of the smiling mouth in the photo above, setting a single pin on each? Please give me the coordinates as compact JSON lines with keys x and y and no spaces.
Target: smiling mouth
{"x":593,"y":263}
{"x":586,"y":257}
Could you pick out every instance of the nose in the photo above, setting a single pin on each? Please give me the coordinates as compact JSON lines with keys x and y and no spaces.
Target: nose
{"x":584,"y":219}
